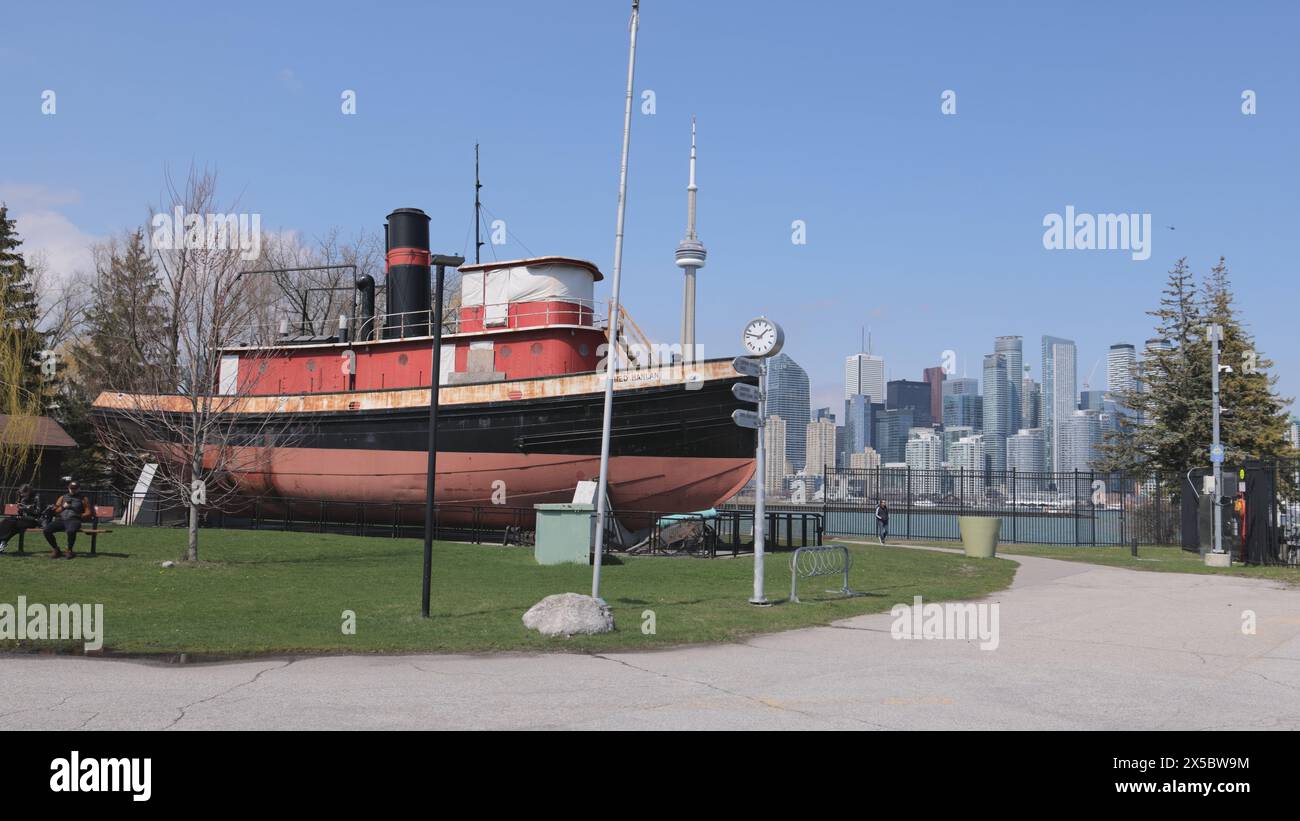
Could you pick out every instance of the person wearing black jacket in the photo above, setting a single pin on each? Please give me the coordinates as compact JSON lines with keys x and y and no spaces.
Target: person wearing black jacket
{"x":882,"y":520}
{"x":29,"y":511}
{"x":70,"y":510}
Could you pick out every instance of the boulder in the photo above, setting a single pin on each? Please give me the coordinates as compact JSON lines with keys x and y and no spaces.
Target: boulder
{"x":569,"y":614}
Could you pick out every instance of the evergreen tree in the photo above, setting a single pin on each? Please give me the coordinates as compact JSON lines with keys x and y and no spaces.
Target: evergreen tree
{"x":124,"y":346}
{"x":21,"y":313}
{"x":1169,"y":421}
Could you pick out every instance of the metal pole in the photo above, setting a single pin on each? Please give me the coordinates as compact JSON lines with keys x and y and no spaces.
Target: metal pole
{"x":611,"y":359}
{"x":760,"y":520}
{"x":1215,"y":332}
{"x":433,"y":439}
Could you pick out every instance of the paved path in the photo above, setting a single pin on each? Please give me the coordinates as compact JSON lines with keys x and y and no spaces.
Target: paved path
{"x":1082,"y":647}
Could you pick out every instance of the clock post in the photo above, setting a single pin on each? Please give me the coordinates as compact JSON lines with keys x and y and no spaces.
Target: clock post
{"x":762,"y":339}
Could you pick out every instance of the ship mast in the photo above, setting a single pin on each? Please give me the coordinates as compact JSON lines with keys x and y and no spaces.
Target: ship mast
{"x":478,"y":208}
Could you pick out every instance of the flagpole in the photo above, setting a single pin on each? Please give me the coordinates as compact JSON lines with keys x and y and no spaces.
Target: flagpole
{"x":611,"y":356}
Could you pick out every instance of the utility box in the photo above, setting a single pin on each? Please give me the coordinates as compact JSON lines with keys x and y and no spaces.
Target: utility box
{"x":563,"y":533}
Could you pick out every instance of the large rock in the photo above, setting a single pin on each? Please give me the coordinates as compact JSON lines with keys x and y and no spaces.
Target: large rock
{"x":569,"y":614}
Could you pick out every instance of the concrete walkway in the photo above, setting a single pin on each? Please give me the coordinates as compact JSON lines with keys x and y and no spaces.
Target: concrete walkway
{"x":1081,"y":647}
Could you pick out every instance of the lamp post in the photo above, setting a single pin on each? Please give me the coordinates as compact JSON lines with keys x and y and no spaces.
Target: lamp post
{"x":1216,"y":448}
{"x":440,"y":262}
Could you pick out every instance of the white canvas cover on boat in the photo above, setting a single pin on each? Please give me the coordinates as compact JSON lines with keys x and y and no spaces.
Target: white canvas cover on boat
{"x":498,"y":287}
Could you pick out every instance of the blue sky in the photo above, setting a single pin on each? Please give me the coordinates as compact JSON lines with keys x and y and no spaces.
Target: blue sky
{"x":926,"y":227}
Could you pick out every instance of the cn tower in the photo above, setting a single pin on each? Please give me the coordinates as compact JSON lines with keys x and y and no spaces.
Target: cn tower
{"x":690,"y":258}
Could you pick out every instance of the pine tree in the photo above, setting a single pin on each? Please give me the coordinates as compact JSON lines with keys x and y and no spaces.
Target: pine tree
{"x":1253,"y":419}
{"x":21,"y":314}
{"x":124,"y":347}
{"x":1169,"y":425}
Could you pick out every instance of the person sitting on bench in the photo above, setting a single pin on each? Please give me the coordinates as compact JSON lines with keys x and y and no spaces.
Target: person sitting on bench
{"x":29,"y":510}
{"x":70,"y":510}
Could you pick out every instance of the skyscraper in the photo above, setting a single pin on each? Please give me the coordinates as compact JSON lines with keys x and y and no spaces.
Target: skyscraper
{"x":788,"y":397}
{"x":924,"y":454}
{"x":1060,"y":383}
{"x":1121,"y":369}
{"x":775,"y":466}
{"x":892,"y":428}
{"x":1030,"y":398}
{"x":1013,"y":349}
{"x":858,"y":413}
{"x":903,"y":393}
{"x":997,"y":410}
{"x":934,"y":377}
{"x":1026,"y":453}
{"x":1079,"y":436}
{"x":962,"y":405}
{"x":865,"y":374}
{"x":820,"y":445}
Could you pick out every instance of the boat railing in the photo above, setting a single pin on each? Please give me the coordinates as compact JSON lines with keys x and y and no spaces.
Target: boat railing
{"x":296,"y":330}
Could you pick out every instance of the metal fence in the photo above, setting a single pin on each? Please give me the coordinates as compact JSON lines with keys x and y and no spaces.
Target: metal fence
{"x":1074,"y":508}
{"x":638,"y":531}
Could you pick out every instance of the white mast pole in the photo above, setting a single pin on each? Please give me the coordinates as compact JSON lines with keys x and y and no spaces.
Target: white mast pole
{"x":611,"y":357}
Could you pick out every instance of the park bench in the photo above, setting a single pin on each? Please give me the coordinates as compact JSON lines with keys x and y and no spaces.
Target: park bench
{"x":102,"y":512}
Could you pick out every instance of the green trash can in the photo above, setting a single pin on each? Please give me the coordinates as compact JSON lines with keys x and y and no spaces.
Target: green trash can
{"x":564,"y":533}
{"x":979,"y":535}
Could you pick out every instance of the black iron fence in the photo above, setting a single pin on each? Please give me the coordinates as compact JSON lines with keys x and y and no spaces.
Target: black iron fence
{"x":1073,"y":508}
{"x":637,"y":531}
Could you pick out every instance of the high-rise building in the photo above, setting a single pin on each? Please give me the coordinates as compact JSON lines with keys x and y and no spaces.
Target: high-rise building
{"x":1078,"y":437}
{"x":788,"y":397}
{"x":775,"y":466}
{"x":964,"y":410}
{"x":1012,"y":349}
{"x":823,"y":413}
{"x":820,"y":445}
{"x":1027,"y":452}
{"x":1293,"y":432}
{"x":997,"y":410}
{"x":924,"y":454}
{"x":904,"y":393}
{"x":892,"y":427}
{"x":934,"y":377}
{"x":1030,"y":398}
{"x":858,"y":413}
{"x":1121,"y":369}
{"x":966,"y":459}
{"x":865,"y":374}
{"x":958,"y":386}
{"x":1091,"y":400}
{"x":952,"y":435}
{"x":1059,"y":398}
{"x":866,"y":460}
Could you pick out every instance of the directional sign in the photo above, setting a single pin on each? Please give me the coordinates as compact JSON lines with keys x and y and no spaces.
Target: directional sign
{"x":747,"y":366}
{"x":746,"y":393}
{"x":1216,"y":453}
{"x":745,"y":418}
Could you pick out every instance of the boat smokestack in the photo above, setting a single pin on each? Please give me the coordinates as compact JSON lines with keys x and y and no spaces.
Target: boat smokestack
{"x":366,"y":331}
{"x":407,"y":260}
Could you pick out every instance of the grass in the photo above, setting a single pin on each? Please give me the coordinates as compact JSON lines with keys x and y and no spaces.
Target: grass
{"x":1158,"y":559}
{"x":268,"y":592}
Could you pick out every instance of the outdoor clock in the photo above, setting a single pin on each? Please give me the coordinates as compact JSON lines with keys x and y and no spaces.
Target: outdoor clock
{"x":763,"y":337}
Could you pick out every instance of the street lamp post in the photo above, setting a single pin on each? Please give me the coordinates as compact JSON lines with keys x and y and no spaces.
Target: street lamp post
{"x":441,"y":263}
{"x":1216,"y":447}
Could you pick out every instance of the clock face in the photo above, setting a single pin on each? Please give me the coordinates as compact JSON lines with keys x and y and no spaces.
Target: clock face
{"x":762,"y":337}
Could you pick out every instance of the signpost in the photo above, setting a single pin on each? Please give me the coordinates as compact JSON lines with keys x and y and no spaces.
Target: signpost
{"x":762,"y":338}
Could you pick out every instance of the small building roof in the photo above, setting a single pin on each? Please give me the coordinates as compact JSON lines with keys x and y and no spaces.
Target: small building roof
{"x":37,"y":431}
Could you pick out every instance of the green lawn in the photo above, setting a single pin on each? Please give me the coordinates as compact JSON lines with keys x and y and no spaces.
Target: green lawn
{"x":1160,"y":559}
{"x":269,"y":592}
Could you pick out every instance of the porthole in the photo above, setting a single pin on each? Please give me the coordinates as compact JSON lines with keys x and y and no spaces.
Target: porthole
{"x":402,"y":360}
{"x":583,"y":350}
{"x":504,"y":352}
{"x":536,"y":349}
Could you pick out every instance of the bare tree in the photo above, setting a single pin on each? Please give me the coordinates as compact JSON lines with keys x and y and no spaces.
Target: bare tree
{"x":197,"y":417}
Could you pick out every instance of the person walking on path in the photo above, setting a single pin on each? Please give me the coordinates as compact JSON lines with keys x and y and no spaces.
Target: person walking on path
{"x":882,"y":520}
